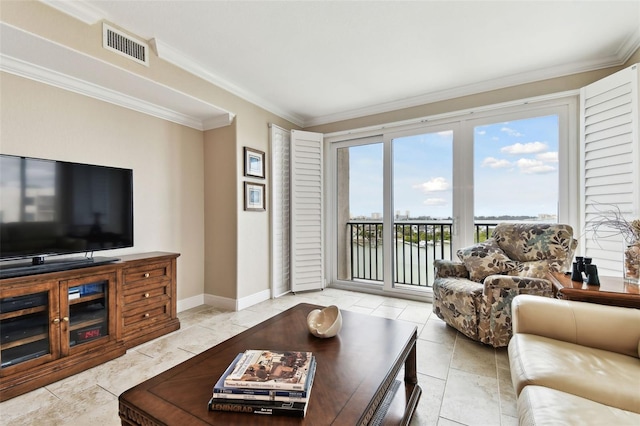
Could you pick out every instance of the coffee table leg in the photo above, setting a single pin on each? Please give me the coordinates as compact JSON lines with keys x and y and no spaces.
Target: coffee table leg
{"x":410,"y":365}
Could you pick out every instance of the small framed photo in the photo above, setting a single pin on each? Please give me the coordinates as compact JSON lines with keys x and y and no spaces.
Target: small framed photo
{"x":254,"y":197}
{"x":253,"y":163}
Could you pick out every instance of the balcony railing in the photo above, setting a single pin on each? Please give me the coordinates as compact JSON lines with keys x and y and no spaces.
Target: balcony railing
{"x":416,"y":245}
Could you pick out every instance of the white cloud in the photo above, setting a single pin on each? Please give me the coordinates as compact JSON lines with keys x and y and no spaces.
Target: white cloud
{"x":525,"y":148}
{"x":446,"y":133}
{"x":511,"y":132}
{"x":529,"y":166}
{"x":548,"y":157}
{"x":495,"y":163}
{"x":433,"y":185}
{"x":435,"y":202}
{"x":481,"y":132}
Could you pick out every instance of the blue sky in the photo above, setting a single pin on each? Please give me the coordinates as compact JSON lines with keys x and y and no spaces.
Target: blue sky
{"x":515,"y":171}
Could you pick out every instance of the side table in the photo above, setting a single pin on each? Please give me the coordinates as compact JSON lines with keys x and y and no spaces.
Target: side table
{"x":611,"y":291}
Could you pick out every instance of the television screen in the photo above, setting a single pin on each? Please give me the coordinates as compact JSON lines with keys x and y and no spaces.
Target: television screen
{"x":52,"y":207}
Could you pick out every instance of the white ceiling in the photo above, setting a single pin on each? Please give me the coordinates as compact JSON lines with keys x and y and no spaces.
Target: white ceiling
{"x":314,"y":62}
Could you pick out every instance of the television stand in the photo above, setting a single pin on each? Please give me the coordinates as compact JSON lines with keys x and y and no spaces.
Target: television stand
{"x":60,"y":323}
{"x":12,"y":270}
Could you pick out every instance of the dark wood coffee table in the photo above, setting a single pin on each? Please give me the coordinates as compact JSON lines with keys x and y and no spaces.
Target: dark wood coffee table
{"x":355,"y":375}
{"x":611,"y":291}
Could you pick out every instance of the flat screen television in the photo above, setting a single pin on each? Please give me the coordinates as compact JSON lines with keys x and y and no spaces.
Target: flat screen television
{"x":50,"y":207}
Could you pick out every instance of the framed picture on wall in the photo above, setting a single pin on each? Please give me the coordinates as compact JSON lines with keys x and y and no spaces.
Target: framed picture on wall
{"x":253,"y":163}
{"x":254,"y":197}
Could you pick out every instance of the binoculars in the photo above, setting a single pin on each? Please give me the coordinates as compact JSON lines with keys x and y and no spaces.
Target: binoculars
{"x":581,"y":266}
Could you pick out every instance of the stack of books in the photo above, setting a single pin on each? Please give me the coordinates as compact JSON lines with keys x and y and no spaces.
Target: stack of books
{"x":266,"y":382}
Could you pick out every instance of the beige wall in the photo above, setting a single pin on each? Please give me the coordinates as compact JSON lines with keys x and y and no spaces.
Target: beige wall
{"x":254,"y":260}
{"x":38,"y":120}
{"x":221,"y":219}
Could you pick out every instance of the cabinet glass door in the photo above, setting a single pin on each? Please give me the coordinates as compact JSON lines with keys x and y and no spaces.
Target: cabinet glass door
{"x":24,"y":327}
{"x":88,"y":312}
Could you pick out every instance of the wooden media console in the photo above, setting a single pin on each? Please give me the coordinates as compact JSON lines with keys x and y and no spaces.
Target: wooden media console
{"x":57,"y":324}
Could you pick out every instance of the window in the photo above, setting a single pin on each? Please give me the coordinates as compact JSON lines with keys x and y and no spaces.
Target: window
{"x":515,"y":169}
{"x":443,"y":182}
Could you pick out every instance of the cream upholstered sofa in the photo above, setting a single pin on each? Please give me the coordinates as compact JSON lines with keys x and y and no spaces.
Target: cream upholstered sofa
{"x":575,"y":363}
{"x":474,"y":295}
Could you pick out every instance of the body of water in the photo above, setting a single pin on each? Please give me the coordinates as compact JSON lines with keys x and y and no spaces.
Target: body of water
{"x":416,"y":262}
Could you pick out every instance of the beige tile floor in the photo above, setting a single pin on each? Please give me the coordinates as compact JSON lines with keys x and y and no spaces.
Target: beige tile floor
{"x":463,"y":382}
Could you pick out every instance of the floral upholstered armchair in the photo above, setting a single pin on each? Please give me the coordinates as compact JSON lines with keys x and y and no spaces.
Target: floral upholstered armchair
{"x":474,"y":295}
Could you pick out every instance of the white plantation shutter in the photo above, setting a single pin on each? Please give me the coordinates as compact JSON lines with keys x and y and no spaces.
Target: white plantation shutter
{"x":307,"y":257}
{"x":280,"y":210}
{"x":610,"y":156}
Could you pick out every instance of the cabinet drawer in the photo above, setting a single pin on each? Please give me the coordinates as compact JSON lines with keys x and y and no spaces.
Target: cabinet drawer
{"x":147,"y":314}
{"x":147,"y":273}
{"x":142,"y":293}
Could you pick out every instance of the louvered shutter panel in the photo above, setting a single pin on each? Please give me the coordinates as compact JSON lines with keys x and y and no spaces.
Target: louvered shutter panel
{"x":610,"y":157}
{"x":280,"y":211}
{"x":307,"y":257}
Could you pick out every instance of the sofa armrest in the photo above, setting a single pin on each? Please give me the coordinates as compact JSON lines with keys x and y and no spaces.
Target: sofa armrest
{"x":450,"y":268}
{"x":609,"y":328}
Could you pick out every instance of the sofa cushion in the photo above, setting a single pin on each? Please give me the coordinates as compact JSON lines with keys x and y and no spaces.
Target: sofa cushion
{"x":538,"y":405}
{"x":484,"y":259}
{"x":606,"y":377}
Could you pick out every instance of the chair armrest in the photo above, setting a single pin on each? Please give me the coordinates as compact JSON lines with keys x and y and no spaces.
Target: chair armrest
{"x":495,"y":311}
{"x":539,"y":286}
{"x":450,"y":268}
{"x":610,"y":328}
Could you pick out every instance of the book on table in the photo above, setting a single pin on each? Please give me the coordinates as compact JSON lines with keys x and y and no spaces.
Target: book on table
{"x":292,"y":409}
{"x":271,"y":399}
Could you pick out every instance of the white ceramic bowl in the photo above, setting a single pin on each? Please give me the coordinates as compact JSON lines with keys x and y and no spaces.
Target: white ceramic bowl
{"x":325,"y":322}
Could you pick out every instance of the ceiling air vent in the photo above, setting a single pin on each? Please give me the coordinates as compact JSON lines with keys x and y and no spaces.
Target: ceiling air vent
{"x":125,"y":45}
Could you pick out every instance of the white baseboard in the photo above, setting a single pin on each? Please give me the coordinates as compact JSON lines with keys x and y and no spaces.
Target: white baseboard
{"x":223,"y":303}
{"x":190,"y":302}
{"x":219,"y":302}
{"x":254,"y":299}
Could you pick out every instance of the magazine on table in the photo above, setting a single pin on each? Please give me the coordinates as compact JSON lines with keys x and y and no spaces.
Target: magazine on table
{"x":220,"y":392}
{"x":270,"y":369}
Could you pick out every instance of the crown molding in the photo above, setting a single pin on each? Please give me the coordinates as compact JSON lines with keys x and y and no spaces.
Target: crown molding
{"x":62,"y":81}
{"x":486,"y":86}
{"x":21,"y":50}
{"x":77,"y":9}
{"x":175,"y":57}
{"x":629,"y":47}
{"x":90,"y":15}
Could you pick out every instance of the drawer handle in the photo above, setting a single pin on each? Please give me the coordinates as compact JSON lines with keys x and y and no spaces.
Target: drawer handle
{"x":146,"y":275}
{"x":146,"y":315}
{"x":146,"y":295}
{"x":56,"y":320}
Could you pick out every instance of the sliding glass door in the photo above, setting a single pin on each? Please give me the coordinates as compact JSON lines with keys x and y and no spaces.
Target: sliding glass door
{"x":359,"y":211}
{"x":422,"y":205}
{"x":416,"y":193}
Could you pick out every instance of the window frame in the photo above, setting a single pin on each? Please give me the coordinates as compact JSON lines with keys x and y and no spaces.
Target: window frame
{"x":463,"y":123}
